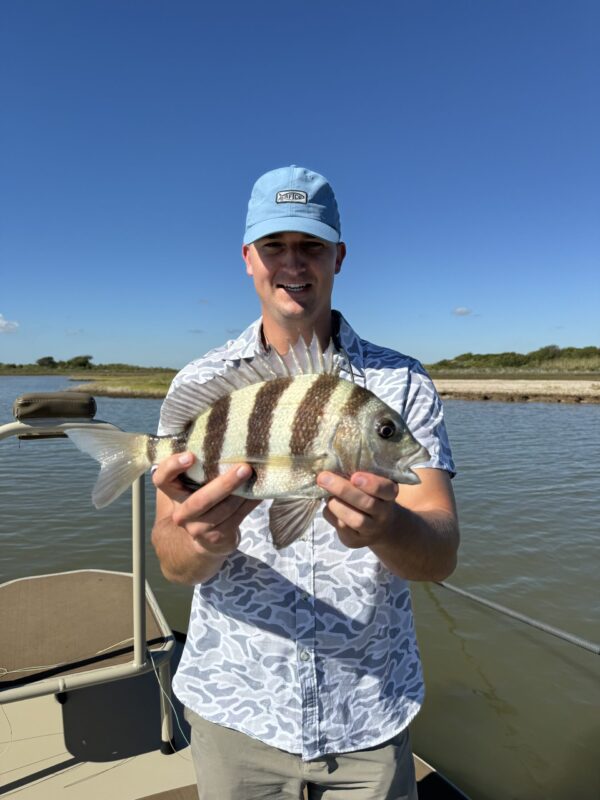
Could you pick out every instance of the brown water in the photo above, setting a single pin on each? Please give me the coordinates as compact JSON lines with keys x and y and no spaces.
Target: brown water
{"x":511,"y":713}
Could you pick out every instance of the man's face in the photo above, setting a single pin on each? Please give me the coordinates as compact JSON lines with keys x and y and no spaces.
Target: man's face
{"x":293,"y":275}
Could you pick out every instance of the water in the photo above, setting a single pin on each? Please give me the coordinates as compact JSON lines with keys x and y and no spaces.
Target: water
{"x":47,"y":521}
{"x":511,"y":713}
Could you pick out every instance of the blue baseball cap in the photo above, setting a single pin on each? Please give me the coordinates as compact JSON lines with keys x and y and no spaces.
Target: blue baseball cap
{"x":292,"y":199}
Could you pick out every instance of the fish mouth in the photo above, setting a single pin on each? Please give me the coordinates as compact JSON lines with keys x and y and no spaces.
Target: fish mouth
{"x":422,"y":454}
{"x":404,"y":473}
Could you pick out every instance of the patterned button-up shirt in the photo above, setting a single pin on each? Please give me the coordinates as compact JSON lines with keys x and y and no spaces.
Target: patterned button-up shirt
{"x":311,"y":649}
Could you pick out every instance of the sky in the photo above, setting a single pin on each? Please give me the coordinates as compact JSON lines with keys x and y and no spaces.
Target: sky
{"x":460,"y":136}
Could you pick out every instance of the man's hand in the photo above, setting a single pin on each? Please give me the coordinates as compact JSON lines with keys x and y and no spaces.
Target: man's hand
{"x":412,"y":529}
{"x":212,"y":514}
{"x":363,"y":509}
{"x":195,"y":531}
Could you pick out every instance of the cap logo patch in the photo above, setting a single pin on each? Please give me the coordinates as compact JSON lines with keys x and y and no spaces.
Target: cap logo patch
{"x":291,"y":196}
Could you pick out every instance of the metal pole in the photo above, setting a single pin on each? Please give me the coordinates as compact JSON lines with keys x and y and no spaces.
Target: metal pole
{"x":167,"y":744}
{"x":542,"y":626}
{"x":138,"y":539}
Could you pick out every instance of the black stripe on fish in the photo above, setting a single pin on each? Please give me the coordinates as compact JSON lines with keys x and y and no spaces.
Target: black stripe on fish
{"x":261,"y":417}
{"x":358,"y":398}
{"x":151,"y":449}
{"x":178,"y":444}
{"x":309,"y":414}
{"x":214,"y":436}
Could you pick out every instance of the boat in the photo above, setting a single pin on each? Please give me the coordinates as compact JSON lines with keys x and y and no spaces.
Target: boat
{"x":86,"y":707}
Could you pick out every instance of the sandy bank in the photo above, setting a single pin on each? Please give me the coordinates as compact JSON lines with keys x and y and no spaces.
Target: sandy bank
{"x":519,"y":391}
{"x":508,"y":390}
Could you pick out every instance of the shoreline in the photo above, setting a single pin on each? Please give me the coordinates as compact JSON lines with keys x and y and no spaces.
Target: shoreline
{"x":580,"y":389}
{"x":519,"y":391}
{"x":493,"y":389}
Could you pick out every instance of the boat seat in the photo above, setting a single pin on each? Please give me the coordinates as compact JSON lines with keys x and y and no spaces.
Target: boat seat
{"x":52,"y":406}
{"x":56,"y":636}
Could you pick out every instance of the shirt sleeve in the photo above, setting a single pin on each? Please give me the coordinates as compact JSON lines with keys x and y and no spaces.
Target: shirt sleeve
{"x":423,"y":412}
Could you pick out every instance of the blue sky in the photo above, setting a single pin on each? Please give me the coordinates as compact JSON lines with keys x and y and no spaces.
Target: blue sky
{"x":461,"y":137}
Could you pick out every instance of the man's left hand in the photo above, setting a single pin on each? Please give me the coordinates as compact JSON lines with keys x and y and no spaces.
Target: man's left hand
{"x":411,"y":528}
{"x":363,"y":509}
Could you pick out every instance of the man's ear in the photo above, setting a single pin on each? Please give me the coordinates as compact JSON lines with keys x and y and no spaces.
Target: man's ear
{"x":341,"y":255}
{"x":246,"y":257}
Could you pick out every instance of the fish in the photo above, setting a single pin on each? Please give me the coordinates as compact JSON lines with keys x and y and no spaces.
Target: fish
{"x":289,"y":416}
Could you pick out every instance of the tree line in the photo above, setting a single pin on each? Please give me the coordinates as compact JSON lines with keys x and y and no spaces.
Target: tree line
{"x":549,"y":357}
{"x":83,"y":362}
{"x":77,"y":362}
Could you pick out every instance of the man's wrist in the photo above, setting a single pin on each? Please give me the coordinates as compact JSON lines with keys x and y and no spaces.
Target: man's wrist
{"x":388,"y":545}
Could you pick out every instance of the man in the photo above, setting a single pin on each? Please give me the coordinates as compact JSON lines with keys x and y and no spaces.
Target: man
{"x":301,"y":666}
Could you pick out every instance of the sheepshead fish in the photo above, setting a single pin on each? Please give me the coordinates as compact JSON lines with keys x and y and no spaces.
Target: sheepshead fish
{"x":290,"y":417}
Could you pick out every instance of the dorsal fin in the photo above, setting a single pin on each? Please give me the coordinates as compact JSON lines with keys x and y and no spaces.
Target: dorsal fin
{"x":303,"y":359}
{"x":192,"y":398}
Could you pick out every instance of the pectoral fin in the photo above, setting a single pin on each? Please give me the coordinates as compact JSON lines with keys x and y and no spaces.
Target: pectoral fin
{"x":288,"y":519}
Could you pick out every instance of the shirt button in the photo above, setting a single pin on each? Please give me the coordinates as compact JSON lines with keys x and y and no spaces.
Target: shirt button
{"x":304,"y":596}
{"x":305,"y":655}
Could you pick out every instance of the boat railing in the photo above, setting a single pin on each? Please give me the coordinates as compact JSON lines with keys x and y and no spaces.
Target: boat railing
{"x":593,"y":647}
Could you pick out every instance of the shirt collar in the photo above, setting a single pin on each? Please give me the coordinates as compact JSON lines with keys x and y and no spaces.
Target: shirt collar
{"x":348,"y":341}
{"x":345,"y":339}
{"x":248,"y":343}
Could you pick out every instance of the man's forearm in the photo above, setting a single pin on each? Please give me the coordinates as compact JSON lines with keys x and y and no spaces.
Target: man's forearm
{"x":422,"y":547}
{"x":181,"y":559}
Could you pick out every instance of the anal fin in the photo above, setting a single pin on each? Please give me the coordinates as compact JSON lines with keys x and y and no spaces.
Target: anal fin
{"x":289,"y":518}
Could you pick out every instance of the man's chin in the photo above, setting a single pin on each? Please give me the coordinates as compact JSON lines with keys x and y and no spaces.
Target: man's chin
{"x":294,"y":307}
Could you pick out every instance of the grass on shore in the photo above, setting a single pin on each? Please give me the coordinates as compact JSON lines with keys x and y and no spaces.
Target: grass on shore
{"x":549,"y":359}
{"x":154,"y":385}
{"x":157,"y":385}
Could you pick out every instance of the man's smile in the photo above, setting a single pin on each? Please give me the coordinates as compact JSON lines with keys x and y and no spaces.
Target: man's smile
{"x":293,"y":287}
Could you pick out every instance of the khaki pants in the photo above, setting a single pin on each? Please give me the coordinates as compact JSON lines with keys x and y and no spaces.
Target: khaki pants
{"x":232,"y":766}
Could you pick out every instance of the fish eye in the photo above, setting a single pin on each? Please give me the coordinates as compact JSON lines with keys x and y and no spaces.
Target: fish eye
{"x":385,"y":428}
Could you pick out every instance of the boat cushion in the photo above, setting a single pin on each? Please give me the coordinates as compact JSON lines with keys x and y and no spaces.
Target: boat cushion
{"x":50,"y":405}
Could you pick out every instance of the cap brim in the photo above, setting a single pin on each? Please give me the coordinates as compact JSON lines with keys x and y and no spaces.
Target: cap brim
{"x":295,"y":224}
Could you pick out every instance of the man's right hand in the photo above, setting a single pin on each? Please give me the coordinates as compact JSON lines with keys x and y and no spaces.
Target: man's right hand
{"x":209,"y":518}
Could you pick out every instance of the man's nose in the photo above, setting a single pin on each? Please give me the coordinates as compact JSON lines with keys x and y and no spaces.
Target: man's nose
{"x":296,"y":257}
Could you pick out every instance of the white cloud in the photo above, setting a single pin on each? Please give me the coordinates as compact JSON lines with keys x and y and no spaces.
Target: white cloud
{"x":461,"y":311}
{"x":6,"y":326}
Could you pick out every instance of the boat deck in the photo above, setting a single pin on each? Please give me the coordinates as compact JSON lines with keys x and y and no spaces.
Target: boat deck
{"x":104,"y":743}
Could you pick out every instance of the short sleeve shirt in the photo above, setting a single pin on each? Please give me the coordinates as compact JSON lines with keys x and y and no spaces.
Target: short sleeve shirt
{"x":311,"y":649}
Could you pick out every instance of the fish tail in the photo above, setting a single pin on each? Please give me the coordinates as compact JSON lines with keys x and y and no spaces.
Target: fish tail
{"x":123,"y":457}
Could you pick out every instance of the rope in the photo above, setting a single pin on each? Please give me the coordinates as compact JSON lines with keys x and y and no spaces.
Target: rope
{"x":567,"y":637}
